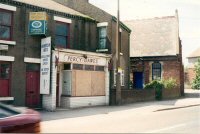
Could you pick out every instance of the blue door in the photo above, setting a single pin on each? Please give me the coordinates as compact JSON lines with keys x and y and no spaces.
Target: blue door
{"x":138,"y":80}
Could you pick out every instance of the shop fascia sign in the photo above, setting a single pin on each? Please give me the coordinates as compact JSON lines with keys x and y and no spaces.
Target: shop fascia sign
{"x":45,"y":66}
{"x":37,"y":23}
{"x":90,"y":60}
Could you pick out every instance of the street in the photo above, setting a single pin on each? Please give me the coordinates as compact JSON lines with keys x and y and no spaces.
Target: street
{"x":172,"y":116}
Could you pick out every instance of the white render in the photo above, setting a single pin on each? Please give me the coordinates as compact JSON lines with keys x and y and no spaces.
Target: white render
{"x":57,"y":18}
{"x":6,"y":98}
{"x":49,"y":101}
{"x":76,"y":102}
{"x":32,"y":60}
{"x":8,"y":7}
{"x":103,"y":24}
{"x":7,"y":58}
{"x":7,"y":42}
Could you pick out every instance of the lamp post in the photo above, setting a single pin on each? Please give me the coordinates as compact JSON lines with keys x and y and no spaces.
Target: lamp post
{"x":118,"y":69}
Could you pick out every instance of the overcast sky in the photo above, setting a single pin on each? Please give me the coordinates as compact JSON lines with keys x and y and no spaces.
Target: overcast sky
{"x":189,"y":16}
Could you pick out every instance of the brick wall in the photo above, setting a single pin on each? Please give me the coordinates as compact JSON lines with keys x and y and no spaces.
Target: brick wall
{"x":170,"y":69}
{"x":101,"y":16}
{"x":189,"y":76}
{"x":83,"y":36}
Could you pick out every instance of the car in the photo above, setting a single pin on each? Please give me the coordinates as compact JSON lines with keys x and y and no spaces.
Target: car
{"x":18,"y":120}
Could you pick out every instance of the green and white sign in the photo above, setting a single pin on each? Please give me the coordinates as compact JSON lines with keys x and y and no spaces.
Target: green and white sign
{"x":37,"y":27}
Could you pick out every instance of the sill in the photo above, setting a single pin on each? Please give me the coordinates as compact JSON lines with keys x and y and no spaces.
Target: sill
{"x":7,"y":42}
{"x":102,"y":50}
{"x":6,"y":98}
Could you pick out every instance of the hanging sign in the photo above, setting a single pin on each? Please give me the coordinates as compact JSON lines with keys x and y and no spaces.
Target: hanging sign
{"x":45,"y":66}
{"x":37,"y":23}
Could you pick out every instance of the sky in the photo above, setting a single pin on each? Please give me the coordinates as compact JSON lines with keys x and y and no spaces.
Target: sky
{"x":188,"y":11}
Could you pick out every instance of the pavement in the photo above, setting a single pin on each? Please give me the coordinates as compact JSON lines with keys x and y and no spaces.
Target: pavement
{"x":191,"y":99}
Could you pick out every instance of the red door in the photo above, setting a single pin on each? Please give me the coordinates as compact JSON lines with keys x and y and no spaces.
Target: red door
{"x":33,"y":89}
{"x":4,"y":79}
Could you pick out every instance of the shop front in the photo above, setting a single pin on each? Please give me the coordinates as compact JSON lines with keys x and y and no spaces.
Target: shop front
{"x":82,"y":78}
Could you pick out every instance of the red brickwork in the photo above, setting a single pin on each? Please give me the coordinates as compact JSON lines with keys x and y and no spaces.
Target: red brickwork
{"x":189,"y":76}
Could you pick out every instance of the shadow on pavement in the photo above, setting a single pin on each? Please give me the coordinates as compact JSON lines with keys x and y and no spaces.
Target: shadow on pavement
{"x":89,"y":111}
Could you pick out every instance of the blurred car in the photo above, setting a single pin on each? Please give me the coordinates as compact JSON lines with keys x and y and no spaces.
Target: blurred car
{"x":18,"y":120}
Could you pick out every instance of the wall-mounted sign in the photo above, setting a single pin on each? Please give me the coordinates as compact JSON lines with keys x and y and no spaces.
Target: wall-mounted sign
{"x":37,"y":23}
{"x":45,"y":66}
{"x":89,"y":60}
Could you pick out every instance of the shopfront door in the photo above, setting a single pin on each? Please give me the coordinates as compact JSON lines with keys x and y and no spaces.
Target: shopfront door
{"x":4,"y":79}
{"x":32,"y":87}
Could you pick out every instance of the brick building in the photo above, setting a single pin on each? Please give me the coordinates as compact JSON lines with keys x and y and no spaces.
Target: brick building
{"x":190,"y":72}
{"x":155,"y":51}
{"x":51,"y":55}
{"x":87,"y":8}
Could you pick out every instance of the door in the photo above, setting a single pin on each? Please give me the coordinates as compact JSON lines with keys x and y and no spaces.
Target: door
{"x":4,"y":79}
{"x":33,"y":89}
{"x":138,"y":80}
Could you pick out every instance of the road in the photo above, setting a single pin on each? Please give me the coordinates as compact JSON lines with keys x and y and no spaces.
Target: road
{"x":129,"y":119}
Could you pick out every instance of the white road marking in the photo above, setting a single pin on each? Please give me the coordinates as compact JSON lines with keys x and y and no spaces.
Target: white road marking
{"x":167,"y":128}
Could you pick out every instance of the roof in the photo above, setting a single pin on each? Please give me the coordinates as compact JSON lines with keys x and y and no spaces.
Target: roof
{"x":195,"y":54}
{"x":154,"y":37}
{"x":50,"y":4}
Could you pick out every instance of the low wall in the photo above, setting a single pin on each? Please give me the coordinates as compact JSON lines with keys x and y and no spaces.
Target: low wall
{"x":133,"y":95}
{"x":171,"y":93}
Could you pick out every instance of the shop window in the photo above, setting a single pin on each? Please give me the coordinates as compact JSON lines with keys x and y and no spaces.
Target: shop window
{"x":5,"y":25}
{"x":156,"y":71}
{"x":77,"y":66}
{"x":67,"y":66}
{"x":4,"y":70}
{"x":99,"y":68}
{"x":89,"y":67}
{"x":102,"y":38}
{"x":62,"y":35}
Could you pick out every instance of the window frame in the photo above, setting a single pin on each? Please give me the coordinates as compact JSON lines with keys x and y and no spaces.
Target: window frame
{"x":11,"y":25}
{"x":67,"y":37}
{"x":102,"y":38}
{"x":160,"y":68}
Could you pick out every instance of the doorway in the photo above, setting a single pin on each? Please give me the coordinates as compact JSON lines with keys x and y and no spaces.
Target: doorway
{"x":33,"y":85}
{"x":5,"y":68}
{"x":138,"y":80}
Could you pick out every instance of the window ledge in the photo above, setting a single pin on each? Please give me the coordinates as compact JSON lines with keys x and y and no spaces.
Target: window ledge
{"x":6,"y":98}
{"x":7,"y":42}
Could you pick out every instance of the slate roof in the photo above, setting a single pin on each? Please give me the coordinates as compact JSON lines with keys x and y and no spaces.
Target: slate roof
{"x":154,"y":37}
{"x":52,"y":5}
{"x":195,"y":54}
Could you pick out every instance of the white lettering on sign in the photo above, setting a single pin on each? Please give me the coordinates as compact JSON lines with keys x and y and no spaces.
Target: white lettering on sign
{"x":45,"y":66}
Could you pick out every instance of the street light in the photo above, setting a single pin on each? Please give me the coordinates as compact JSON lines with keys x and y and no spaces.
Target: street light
{"x":118,"y":69}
